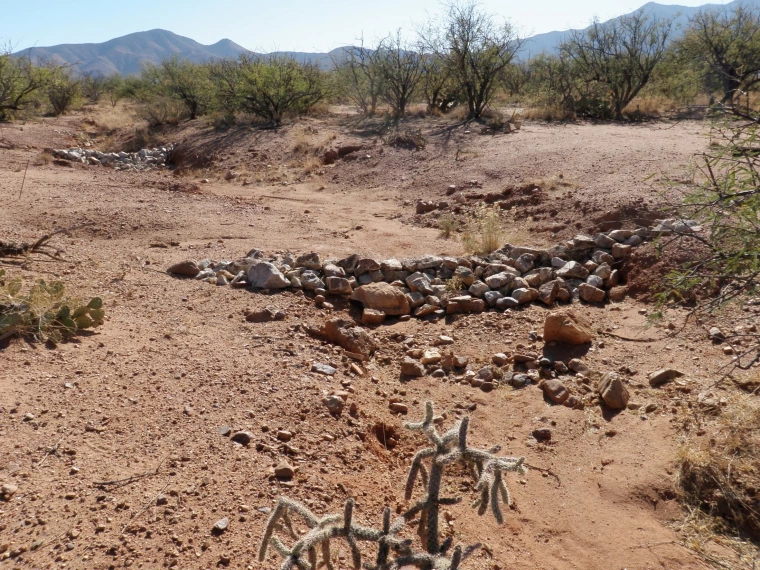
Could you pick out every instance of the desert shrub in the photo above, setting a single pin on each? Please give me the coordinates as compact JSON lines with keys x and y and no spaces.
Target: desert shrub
{"x":182,"y":80}
{"x":719,"y":221}
{"x":93,"y":86}
{"x":619,"y":57}
{"x":63,"y":90}
{"x":44,"y":312}
{"x":276,"y":86}
{"x":722,"y":477}
{"x":20,"y":83}
{"x":162,"y":111}
{"x":476,"y":49}
{"x":401,"y":69}
{"x":484,"y":232}
{"x":447,"y":225}
{"x":358,"y":76}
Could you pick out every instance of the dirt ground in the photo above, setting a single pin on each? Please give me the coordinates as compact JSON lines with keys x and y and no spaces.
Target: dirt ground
{"x":148,"y":392}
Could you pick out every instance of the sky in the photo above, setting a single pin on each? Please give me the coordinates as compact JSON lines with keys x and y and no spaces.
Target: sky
{"x":267,"y":25}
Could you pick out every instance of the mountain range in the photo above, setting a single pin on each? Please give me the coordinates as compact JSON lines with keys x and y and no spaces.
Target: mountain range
{"x":127,"y":54}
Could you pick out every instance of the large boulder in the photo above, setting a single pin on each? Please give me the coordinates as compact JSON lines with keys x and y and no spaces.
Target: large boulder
{"x":264,"y":275}
{"x":383,"y":297}
{"x":568,"y":327}
{"x":613,"y":391}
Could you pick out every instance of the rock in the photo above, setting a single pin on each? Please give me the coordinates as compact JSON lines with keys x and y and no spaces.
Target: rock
{"x":716,"y":335}
{"x":324,"y":369}
{"x":524,"y":296}
{"x":572,"y":270}
{"x":372,"y":317}
{"x":398,"y":408}
{"x":579,"y":367}
{"x":242,"y":437}
{"x":265,"y":315}
{"x":284,"y":470}
{"x":382,"y":297}
{"x":424,"y":206}
{"x":335,"y":405}
{"x":499,"y":280}
{"x":264,"y":275}
{"x":7,"y":490}
{"x":284,"y":435}
{"x":491,"y":297}
{"x":478,"y":289}
{"x":415,"y":299}
{"x":465,"y":275}
{"x":430,"y":357}
{"x":331,"y":270}
{"x":542,"y":434}
{"x":352,"y":338}
{"x":184,"y":269}
{"x":568,"y":327}
{"x":619,"y":251}
{"x":604,"y":241}
{"x":663,"y":376}
{"x":613,"y":391}
{"x":311,"y":281}
{"x":620,"y":235}
{"x":548,"y":292}
{"x":591,"y":294}
{"x":520,"y":380}
{"x":411,"y":367}
{"x":617,"y":294}
{"x":425,"y":310}
{"x":338,"y":286}
{"x":524,"y":263}
{"x":309,"y":261}
{"x":224,"y":431}
{"x":555,"y":390}
{"x":499,"y":359}
{"x":221,"y":525}
{"x":507,"y":303}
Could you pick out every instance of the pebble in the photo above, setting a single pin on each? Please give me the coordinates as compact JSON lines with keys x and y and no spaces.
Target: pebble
{"x":324,"y":369}
{"x":242,"y":437}
{"x":284,"y":470}
{"x":221,"y":525}
{"x":398,"y":407}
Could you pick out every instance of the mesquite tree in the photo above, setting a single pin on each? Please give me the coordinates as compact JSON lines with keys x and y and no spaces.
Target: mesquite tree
{"x":393,"y":551}
{"x":619,"y":55}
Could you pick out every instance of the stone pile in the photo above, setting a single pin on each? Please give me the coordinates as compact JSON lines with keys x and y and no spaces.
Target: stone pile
{"x":585,"y":268}
{"x":145,"y":159}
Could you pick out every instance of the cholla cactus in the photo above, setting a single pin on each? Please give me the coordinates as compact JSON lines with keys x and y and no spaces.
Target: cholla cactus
{"x":449,"y":448}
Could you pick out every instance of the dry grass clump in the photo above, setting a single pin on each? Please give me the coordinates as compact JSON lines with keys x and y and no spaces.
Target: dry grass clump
{"x":312,"y":165}
{"x":551,"y":183}
{"x":107,"y":119}
{"x":721,"y":477}
{"x":548,"y":113}
{"x":447,"y":224}
{"x":484,"y":231}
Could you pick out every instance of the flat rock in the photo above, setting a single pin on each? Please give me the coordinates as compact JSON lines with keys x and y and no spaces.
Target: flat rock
{"x":324,"y":369}
{"x":411,"y":367}
{"x":372,"y":317}
{"x":382,"y":297}
{"x":663,"y":376}
{"x":265,"y":315}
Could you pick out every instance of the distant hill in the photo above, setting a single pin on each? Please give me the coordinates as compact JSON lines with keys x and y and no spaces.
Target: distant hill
{"x":127,"y":54}
{"x":549,"y":41}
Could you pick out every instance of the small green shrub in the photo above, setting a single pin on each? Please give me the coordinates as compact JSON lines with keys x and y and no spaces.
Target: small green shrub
{"x":44,"y":313}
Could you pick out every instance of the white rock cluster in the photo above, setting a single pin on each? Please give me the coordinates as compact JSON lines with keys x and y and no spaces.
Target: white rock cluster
{"x":145,"y":159}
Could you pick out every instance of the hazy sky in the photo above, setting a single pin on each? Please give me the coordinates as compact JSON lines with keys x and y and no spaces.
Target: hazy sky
{"x":292,"y":25}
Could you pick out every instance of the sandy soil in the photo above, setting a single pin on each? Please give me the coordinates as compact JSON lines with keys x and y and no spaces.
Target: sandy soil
{"x":176,"y":360}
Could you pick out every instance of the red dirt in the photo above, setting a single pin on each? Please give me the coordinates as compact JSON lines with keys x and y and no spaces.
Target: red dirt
{"x":176,"y":359}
